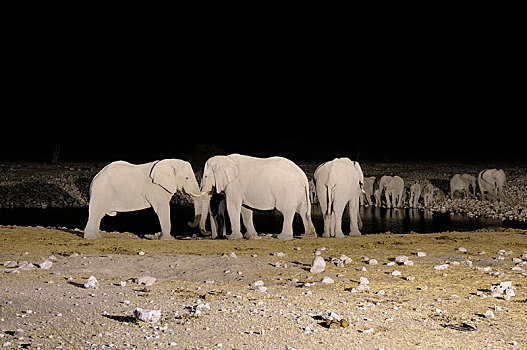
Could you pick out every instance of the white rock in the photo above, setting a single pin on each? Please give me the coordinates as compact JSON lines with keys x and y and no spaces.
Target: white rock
{"x":232,"y":255}
{"x":421,"y":254}
{"x":489,"y":314}
{"x":401,"y":259}
{"x":146,"y":280}
{"x":441,"y":267}
{"x":278,"y":254}
{"x":396,"y":273}
{"x":462,"y":249}
{"x":345,"y":259}
{"x":318,"y":265}
{"x":408,"y":263}
{"x":257,"y":283}
{"x":331,"y":316}
{"x":262,"y":289}
{"x":373,"y":262}
{"x":327,"y":280}
{"x":364,"y":281}
{"x":147,"y":315}
{"x":45,"y":265}
{"x":91,"y":283}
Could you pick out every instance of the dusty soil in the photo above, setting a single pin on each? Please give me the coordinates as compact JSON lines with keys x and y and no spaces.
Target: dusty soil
{"x":44,"y":309}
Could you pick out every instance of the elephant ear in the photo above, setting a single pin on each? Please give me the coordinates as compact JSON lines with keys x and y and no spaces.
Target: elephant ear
{"x":164,"y":174}
{"x":225,"y":171}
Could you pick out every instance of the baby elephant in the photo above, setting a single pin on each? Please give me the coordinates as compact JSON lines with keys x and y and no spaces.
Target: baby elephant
{"x":121,"y":186}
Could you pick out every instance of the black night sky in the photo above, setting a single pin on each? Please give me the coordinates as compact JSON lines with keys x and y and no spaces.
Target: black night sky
{"x":139,"y":99}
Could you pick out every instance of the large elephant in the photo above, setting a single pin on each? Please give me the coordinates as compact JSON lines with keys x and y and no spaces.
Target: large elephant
{"x":263,"y":184}
{"x":393,"y":186}
{"x":462,"y":184}
{"x":491,"y":182}
{"x":121,"y":186}
{"x":338,"y":183}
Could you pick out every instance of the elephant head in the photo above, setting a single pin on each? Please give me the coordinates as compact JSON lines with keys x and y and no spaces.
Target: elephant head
{"x":219,"y":172}
{"x":174,"y":175}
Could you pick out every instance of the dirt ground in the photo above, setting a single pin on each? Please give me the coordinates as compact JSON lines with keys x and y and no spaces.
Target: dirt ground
{"x":207,"y":300}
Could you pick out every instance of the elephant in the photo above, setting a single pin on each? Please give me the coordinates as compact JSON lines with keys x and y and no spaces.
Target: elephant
{"x":121,"y":186}
{"x":428,"y":194}
{"x":368,"y":188}
{"x":339,"y":182}
{"x":393,"y":186}
{"x":263,"y":184}
{"x":491,"y":181}
{"x":415,"y":194}
{"x":462,"y":183}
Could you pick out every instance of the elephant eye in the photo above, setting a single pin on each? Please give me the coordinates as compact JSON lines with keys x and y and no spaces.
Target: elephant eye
{"x":186,"y":177}
{"x":360,"y":184}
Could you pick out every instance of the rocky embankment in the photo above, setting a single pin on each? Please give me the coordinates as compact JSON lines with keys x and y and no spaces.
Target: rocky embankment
{"x":40,"y":185}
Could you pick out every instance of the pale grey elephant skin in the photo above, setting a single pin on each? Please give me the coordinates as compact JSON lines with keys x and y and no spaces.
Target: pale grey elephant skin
{"x":491,"y":182}
{"x":462,"y":183}
{"x":415,"y":194}
{"x":339,"y":183}
{"x":122,"y":187}
{"x":263,"y":184}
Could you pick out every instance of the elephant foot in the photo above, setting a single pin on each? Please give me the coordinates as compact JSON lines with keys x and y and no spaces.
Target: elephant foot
{"x":166,"y":237}
{"x":285,"y":236}
{"x":309,"y":235}
{"x":92,"y":235}
{"x":234,"y":236}
{"x":248,"y":235}
{"x":339,"y":235}
{"x":355,"y":233}
{"x":325,"y":235}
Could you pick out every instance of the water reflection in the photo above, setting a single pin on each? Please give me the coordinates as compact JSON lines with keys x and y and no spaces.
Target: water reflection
{"x":375,"y":220}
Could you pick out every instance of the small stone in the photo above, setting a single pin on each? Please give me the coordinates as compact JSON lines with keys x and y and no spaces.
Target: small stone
{"x":489,"y":314}
{"x":364,"y":281}
{"x":262,"y":289}
{"x":146,"y":280}
{"x":45,"y":265}
{"x":141,"y":253}
{"x":344,"y":323}
{"x":410,"y":278}
{"x":441,"y":267}
{"x":257,"y":283}
{"x":146,"y":315}
{"x":401,"y":259}
{"x":421,"y":254}
{"x":462,"y":249}
{"x":91,"y":283}
{"x":278,"y":254}
{"x":373,"y":262}
{"x":318,"y":265}
{"x":327,"y":280}
{"x":396,"y":273}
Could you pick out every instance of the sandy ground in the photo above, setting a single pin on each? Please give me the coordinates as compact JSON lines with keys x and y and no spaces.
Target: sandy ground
{"x":46,"y":309}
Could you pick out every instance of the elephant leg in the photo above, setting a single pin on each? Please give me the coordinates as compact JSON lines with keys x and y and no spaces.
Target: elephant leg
{"x":213,"y":226}
{"x":247,"y":217}
{"x":94,"y":221}
{"x":234,"y":209}
{"x":327,"y":226}
{"x":355,"y":220}
{"x":287,"y":226}
{"x":163,"y":213}
{"x":337,"y":221}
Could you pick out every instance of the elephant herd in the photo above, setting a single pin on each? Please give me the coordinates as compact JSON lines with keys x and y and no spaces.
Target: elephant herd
{"x":237,"y":184}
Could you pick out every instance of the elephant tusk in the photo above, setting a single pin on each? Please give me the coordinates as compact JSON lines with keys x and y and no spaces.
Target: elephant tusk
{"x":195,"y":195}
{"x":363,"y":191}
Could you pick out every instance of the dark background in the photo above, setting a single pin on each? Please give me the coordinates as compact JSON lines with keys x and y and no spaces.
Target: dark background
{"x":103,"y":93}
